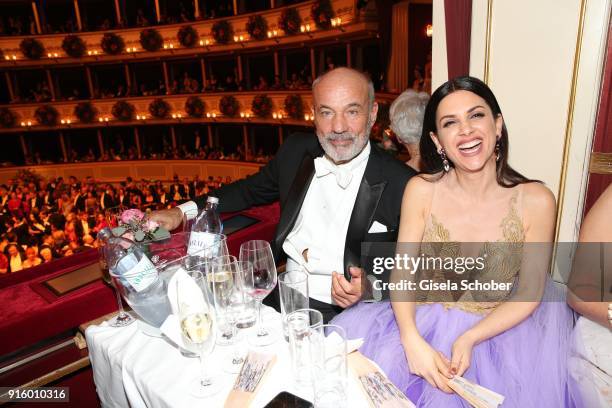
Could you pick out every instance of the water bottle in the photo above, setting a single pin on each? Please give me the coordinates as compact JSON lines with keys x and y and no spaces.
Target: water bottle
{"x":205,"y":231}
{"x":126,"y":260}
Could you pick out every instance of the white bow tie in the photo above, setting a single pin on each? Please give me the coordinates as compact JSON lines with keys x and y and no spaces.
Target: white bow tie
{"x":323,"y":167}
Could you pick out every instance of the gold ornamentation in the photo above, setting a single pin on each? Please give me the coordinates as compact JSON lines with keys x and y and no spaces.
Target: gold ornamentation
{"x":503,"y":263}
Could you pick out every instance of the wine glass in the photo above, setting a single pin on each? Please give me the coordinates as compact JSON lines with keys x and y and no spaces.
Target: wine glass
{"x":223,"y":284}
{"x":198,"y":329}
{"x":123,"y":318}
{"x":228,"y":295}
{"x":259,"y":283}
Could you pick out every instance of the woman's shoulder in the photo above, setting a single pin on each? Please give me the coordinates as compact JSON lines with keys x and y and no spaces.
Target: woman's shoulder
{"x":421,"y":185}
{"x":537,"y":197}
{"x":419,"y":191}
{"x":539,"y":211}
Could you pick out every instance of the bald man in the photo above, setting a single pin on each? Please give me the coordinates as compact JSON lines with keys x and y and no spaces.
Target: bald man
{"x":336,"y":190}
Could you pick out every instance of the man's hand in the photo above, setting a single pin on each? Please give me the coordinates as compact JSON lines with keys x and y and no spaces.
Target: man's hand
{"x":169,"y":219}
{"x":347,"y":293}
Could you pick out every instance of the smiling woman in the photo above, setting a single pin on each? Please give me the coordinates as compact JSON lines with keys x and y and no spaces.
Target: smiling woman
{"x":478,"y":130}
{"x":497,"y":332}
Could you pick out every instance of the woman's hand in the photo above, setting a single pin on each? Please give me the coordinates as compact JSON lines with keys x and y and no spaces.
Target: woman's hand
{"x":428,"y":363}
{"x":461,"y":354}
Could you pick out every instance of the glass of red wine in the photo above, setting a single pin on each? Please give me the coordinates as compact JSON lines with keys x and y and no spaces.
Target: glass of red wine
{"x":258,"y":283}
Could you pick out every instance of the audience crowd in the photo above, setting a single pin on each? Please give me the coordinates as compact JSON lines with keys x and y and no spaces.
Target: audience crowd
{"x":42,"y":220}
{"x":185,"y":84}
{"x":120,"y":152}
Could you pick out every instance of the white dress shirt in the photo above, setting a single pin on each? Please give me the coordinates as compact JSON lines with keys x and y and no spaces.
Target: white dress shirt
{"x":16,"y":263}
{"x":323,"y":221}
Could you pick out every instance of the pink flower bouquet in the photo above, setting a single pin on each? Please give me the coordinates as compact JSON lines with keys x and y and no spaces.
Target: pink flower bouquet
{"x":136,"y":225}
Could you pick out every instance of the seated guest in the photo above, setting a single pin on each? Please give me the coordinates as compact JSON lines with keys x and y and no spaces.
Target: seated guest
{"x":149,"y":200}
{"x":31,"y":258}
{"x":14,"y":204}
{"x":262,"y":85}
{"x":505,"y":340}
{"x":188,"y":188}
{"x":406,"y":116}
{"x":163,"y":197}
{"x":91,"y":202}
{"x":46,"y":254}
{"x":332,"y":188}
{"x":36,"y":227}
{"x":123,"y":199}
{"x":4,"y":197}
{"x":15,"y":258}
{"x":177,"y":190}
{"x":591,"y":358}
{"x":278,"y":83}
{"x":107,"y":198}
{"x":4,"y":264}
{"x":49,"y":201}
{"x":136,"y":201}
{"x":100,"y":223}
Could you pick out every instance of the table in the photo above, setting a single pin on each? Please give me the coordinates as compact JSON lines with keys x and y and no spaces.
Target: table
{"x":133,"y":369}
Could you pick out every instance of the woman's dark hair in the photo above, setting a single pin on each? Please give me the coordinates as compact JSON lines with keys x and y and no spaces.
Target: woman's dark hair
{"x":432,"y":162}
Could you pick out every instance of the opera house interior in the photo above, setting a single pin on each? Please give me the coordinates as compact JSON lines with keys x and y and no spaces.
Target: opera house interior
{"x":215,"y":202}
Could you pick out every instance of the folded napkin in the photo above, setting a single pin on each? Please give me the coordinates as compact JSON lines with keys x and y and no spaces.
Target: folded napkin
{"x":379,"y":391}
{"x":183,"y":285}
{"x":249,"y":381}
{"x":476,"y":395}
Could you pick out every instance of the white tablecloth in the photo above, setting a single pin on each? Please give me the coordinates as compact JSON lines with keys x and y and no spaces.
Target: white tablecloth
{"x":133,"y":369}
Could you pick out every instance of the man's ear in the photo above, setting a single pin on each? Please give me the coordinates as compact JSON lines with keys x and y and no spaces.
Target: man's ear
{"x":374,"y":112}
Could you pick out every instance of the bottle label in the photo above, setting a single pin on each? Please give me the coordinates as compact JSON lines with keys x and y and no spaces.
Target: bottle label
{"x":142,"y":275}
{"x":203,"y":244}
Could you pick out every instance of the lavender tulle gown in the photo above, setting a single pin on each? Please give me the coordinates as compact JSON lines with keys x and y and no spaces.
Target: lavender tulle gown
{"x":527,"y":363}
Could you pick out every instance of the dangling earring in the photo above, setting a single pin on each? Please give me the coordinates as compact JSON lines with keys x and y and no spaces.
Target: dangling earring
{"x":445,"y":163}
{"x":497,"y":150}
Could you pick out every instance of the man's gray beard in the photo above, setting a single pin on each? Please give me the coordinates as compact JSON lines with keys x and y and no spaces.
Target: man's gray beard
{"x":355,"y":148}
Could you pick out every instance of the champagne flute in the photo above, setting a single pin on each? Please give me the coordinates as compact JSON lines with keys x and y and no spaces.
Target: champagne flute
{"x":223,"y":283}
{"x":122,"y":318}
{"x":198,"y":329}
{"x":259,"y":283}
{"x":229,"y":300}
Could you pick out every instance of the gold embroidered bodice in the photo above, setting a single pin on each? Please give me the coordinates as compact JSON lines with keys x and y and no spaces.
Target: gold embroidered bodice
{"x":502,"y":262}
